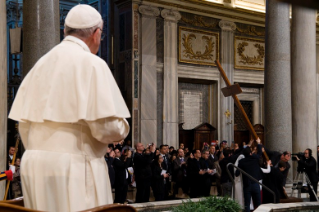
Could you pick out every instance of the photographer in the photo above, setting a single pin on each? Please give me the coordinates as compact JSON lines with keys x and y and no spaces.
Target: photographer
{"x":307,"y":164}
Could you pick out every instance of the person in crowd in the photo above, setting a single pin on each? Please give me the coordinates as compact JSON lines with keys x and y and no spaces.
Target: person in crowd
{"x":223,"y":145}
{"x":166,"y":165}
{"x":157,"y":151}
{"x":307,"y":164}
{"x":276,"y":156}
{"x":120,"y":165}
{"x":179,"y":173}
{"x":109,"y":157}
{"x":16,"y":182}
{"x":158,"y":178}
{"x":205,"y":178}
{"x":11,"y":152}
{"x":227,"y":157}
{"x":186,"y":150}
{"x":214,"y":162}
{"x":119,"y":145}
{"x":274,"y":180}
{"x":143,"y":172}
{"x":181,"y":146}
{"x":171,"y":149}
{"x":250,"y":164}
{"x":128,"y":145}
{"x":194,"y":173}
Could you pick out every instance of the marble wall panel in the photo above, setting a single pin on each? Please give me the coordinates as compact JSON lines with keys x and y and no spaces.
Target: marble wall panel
{"x":160,"y":106}
{"x":199,"y":90}
{"x":160,"y":40}
{"x":147,"y":134}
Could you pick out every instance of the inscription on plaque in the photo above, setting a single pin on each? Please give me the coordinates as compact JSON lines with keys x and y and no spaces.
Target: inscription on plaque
{"x":192,"y":110}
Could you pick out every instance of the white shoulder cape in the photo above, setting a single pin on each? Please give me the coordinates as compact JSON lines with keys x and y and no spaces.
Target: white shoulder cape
{"x":69,"y":84}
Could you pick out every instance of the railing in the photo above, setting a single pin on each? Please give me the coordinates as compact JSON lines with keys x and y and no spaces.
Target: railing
{"x":250,"y":177}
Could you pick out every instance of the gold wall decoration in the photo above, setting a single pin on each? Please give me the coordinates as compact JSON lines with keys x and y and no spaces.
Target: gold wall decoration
{"x":199,"y":21}
{"x":251,"y":30}
{"x":198,"y":46}
{"x":249,"y":53}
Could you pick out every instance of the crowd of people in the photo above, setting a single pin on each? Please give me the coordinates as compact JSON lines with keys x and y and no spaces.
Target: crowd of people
{"x":166,"y":170}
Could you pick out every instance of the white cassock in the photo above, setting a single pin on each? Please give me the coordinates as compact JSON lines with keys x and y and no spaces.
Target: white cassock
{"x":69,"y":108}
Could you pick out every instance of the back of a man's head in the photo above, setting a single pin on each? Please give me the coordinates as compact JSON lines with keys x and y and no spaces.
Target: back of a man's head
{"x":227,"y":152}
{"x":82,"y":21}
{"x":246,"y":151}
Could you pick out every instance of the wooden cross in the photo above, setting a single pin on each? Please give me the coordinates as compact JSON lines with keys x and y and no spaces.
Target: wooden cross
{"x":233,"y":90}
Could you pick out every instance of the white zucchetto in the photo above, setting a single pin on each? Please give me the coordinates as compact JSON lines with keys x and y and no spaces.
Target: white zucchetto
{"x":82,"y":16}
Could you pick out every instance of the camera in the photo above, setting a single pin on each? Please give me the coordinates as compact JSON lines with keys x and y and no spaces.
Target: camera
{"x":299,"y":155}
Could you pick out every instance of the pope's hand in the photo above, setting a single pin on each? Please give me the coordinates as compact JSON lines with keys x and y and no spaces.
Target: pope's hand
{"x":12,"y":168}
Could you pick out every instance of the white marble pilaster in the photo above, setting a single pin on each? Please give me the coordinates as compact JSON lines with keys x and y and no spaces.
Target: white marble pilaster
{"x":277,"y":77}
{"x":148,"y":74}
{"x":3,"y":91}
{"x":227,"y":62}
{"x":304,"y":79}
{"x":170,"y":96}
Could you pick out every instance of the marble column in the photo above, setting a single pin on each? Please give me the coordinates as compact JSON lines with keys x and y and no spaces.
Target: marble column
{"x":3,"y":91}
{"x":41,"y":30}
{"x":227,"y":62}
{"x":277,"y":77}
{"x":304,"y":79}
{"x":170,"y":91}
{"x":148,"y":74}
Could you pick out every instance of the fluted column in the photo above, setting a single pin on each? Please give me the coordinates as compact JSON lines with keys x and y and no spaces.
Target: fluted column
{"x":148,"y":72}
{"x":170,"y":93}
{"x":227,"y":62}
{"x":3,"y":91}
{"x":303,"y":79}
{"x":41,"y":30}
{"x":277,"y":77}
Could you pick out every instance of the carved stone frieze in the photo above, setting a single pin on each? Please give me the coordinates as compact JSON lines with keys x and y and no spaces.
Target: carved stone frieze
{"x":149,"y":11}
{"x":250,"y":30}
{"x":199,"y":21}
{"x":227,"y":25}
{"x":171,"y":15}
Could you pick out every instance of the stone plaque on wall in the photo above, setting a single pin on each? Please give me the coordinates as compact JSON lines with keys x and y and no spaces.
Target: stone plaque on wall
{"x":192,"y":109}
{"x":249,"y":53}
{"x":198,"y":46}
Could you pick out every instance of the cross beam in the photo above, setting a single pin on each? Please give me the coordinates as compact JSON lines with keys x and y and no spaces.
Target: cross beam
{"x":233,"y":90}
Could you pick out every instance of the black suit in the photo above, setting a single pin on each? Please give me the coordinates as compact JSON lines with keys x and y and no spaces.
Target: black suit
{"x":158,"y":182}
{"x":166,"y":165}
{"x":309,"y":167}
{"x":179,"y":175}
{"x":250,"y":164}
{"x":193,"y":168}
{"x":273,"y":181}
{"x":205,"y":179}
{"x":143,"y":176}
{"x":121,"y":183}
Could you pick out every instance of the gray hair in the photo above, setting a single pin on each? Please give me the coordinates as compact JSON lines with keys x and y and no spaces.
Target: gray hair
{"x":82,"y":33}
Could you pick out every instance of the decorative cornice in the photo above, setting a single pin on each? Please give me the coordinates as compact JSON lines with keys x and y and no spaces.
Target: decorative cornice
{"x":227,"y":25}
{"x":251,"y":30}
{"x":199,"y":21}
{"x":149,"y":11}
{"x":171,"y":15}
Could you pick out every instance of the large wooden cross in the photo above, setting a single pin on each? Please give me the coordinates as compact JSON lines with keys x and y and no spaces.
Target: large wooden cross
{"x":233,"y":90}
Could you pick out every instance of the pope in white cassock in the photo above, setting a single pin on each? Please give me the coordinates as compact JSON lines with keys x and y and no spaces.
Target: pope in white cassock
{"x":69,"y":108}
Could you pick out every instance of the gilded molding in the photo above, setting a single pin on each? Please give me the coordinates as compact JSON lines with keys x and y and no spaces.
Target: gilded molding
{"x":149,"y":11}
{"x":171,"y":15}
{"x":198,"y":46}
{"x":251,"y":30}
{"x":199,"y":21}
{"x":246,"y":61}
{"x":227,"y":25}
